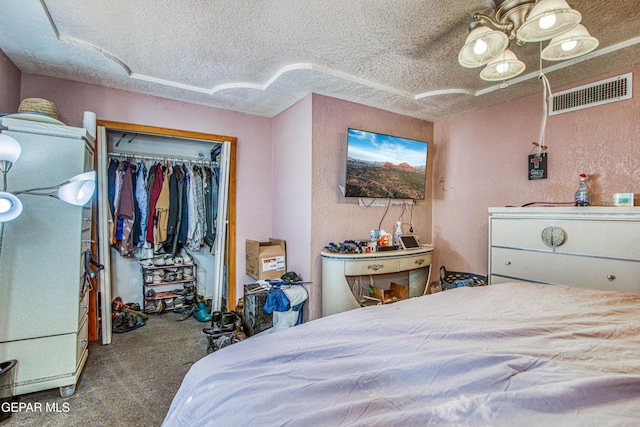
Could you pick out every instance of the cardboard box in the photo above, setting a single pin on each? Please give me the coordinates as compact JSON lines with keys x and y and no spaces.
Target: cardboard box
{"x":395,"y":293}
{"x":266,"y":260}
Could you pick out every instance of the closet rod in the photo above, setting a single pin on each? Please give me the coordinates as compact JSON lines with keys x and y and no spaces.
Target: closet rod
{"x":157,"y":158}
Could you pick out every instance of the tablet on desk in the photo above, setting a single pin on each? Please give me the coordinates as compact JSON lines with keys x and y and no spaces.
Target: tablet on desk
{"x":409,"y":242}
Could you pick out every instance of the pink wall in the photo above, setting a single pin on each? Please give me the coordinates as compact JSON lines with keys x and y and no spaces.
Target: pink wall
{"x":9,"y":85}
{"x":476,"y":160}
{"x":292,"y":192}
{"x":253,"y":155}
{"x":334,"y":217}
{"x":481,"y":161}
{"x":309,"y":153}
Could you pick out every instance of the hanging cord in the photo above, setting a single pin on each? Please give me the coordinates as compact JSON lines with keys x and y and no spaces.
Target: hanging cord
{"x":546,"y":95}
{"x":385,"y":214}
{"x":411,"y":218}
{"x":546,"y":203}
{"x":407,"y":207}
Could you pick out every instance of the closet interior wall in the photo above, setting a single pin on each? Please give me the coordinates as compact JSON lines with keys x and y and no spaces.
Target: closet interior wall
{"x":126,"y":279}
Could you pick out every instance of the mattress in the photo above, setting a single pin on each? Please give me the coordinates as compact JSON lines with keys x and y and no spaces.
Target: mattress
{"x":499,"y":355}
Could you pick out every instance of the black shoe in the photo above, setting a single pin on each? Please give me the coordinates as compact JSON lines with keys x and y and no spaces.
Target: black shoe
{"x":188,"y":312}
{"x":211,"y":331}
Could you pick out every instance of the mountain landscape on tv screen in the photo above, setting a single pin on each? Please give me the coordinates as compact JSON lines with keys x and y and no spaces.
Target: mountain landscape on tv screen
{"x":384,"y":180}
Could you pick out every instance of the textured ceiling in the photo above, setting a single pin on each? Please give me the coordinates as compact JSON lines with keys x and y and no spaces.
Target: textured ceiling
{"x":260,"y":57}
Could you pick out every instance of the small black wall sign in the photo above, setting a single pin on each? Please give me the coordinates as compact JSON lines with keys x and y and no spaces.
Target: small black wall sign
{"x":538,"y":166}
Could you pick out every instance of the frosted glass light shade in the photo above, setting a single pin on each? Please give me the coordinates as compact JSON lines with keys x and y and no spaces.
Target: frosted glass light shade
{"x":503,"y":67}
{"x":576,"y":42}
{"x":482,"y":45}
{"x":540,"y":23}
{"x":10,"y":206}
{"x":9,"y":148}
{"x":85,"y":176}
{"x":77,"y":192}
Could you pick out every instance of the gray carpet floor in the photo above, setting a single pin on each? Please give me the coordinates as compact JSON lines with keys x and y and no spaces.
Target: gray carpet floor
{"x":130,"y":382}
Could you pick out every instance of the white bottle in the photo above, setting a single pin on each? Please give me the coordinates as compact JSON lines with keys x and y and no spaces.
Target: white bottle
{"x":397,"y":234}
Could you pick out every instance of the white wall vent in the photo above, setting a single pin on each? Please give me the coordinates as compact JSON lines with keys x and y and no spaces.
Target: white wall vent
{"x":598,"y":93}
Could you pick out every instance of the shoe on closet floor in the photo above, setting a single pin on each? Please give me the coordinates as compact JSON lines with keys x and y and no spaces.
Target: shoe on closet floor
{"x":188,"y":312}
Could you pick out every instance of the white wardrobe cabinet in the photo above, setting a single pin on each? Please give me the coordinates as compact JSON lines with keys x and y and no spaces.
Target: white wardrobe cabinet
{"x":43,"y":304}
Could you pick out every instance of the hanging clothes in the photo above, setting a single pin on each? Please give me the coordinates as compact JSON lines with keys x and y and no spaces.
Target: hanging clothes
{"x":143,"y":204}
{"x":176,"y":203}
{"x":162,"y":210}
{"x":209,"y":237}
{"x":172,"y":217}
{"x":199,"y":203}
{"x":111,"y":180}
{"x":212,"y":212}
{"x":171,"y":206}
{"x":184,"y":219}
{"x":117,"y":225}
{"x":126,"y":211}
{"x":194,"y":234}
{"x":136,"y":209}
{"x":152,"y":217}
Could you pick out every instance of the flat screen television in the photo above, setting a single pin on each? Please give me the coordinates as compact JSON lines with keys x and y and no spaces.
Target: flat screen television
{"x":385,"y":166}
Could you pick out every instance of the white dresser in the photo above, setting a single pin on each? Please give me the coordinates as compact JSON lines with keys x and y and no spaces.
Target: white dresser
{"x":593,"y":247}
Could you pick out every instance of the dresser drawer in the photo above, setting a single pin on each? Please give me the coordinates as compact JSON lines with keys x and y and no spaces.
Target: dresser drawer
{"x":83,"y":309}
{"x":519,"y":233}
{"x":611,"y":239}
{"x":82,"y":340}
{"x":371,"y":266}
{"x":418,"y":261}
{"x":581,"y":271}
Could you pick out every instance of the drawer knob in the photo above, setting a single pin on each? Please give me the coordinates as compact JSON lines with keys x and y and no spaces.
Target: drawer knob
{"x":420,"y":261}
{"x":553,"y":236}
{"x":611,"y":277}
{"x":375,"y":267}
{"x":507,"y":262}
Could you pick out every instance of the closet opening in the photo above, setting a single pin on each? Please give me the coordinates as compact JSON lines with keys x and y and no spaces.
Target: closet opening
{"x":166,"y":219}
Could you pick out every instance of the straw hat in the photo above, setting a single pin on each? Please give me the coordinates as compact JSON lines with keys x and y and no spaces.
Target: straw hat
{"x":39,"y":105}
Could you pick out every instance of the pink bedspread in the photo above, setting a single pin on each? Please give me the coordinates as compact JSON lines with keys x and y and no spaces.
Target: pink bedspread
{"x":501,"y":355}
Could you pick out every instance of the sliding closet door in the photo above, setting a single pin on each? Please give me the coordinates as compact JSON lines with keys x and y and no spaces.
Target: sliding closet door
{"x":104,"y":253}
{"x":221,"y":246}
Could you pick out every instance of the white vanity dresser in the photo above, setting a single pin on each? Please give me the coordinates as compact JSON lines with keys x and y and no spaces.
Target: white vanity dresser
{"x":593,"y":247}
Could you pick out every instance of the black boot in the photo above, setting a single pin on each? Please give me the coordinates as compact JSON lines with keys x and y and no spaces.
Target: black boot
{"x":216,"y":318}
{"x":228,"y":322}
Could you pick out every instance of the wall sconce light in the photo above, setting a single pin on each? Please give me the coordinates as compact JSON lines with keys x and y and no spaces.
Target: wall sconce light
{"x":523,"y":21}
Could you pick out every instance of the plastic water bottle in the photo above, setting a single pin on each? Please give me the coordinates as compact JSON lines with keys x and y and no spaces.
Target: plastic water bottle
{"x":582,"y":195}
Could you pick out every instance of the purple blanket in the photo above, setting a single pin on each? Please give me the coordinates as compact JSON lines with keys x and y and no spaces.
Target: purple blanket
{"x":500,"y":355}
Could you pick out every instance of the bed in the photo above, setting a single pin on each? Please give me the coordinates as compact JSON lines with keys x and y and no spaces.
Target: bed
{"x":500,"y":355}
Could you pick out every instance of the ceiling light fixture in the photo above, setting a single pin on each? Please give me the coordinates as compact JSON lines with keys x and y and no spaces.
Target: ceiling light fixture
{"x":523,"y":21}
{"x":503,"y":67}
